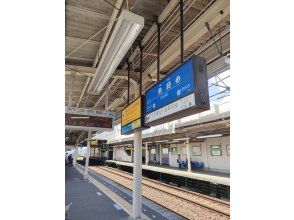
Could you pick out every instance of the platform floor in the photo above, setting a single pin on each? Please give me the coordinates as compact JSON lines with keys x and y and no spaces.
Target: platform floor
{"x":88,"y":202}
{"x":111,"y":194}
{"x":219,"y":178}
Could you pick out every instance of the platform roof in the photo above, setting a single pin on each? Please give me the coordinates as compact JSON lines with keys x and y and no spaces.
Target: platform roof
{"x":85,"y":18}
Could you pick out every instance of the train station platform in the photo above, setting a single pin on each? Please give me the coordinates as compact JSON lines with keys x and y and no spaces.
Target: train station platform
{"x":88,"y":202}
{"x":219,"y":178}
{"x":101,"y":198}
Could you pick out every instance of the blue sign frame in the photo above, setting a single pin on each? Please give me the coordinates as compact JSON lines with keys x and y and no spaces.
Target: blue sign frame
{"x":173,"y":87}
{"x":183,"y":92}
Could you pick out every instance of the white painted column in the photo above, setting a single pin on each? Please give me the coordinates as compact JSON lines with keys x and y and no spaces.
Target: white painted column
{"x":76,"y":155}
{"x":87,"y":155}
{"x":137,"y":170}
{"x":160,"y":154}
{"x":206,"y":165}
{"x":146,"y":154}
{"x":137,"y":182}
{"x":188,"y":155}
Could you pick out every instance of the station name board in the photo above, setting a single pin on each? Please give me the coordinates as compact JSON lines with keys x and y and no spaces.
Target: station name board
{"x":88,"y":119}
{"x":131,"y":117}
{"x":182,"y":93}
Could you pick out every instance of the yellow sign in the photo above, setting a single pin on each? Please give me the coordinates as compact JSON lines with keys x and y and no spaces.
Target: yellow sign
{"x":94,"y":143}
{"x":132,"y":112}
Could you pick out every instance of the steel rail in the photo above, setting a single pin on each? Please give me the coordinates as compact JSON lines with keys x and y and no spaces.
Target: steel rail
{"x":171,"y":194}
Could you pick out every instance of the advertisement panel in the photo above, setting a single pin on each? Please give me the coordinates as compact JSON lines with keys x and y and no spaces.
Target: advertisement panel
{"x":183,"y":92}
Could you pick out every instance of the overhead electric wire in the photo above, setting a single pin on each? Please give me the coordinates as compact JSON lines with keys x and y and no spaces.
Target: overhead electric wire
{"x":111,"y":4}
{"x":76,"y":71}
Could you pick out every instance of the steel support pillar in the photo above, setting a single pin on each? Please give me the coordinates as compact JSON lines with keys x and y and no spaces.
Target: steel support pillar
{"x":158,"y":50}
{"x":129,"y":72}
{"x":206,"y":165}
{"x":137,"y":172}
{"x":87,"y":155}
{"x":147,"y":154}
{"x":182,"y":29}
{"x":75,"y":155}
{"x":160,"y":154}
{"x":141,"y":67}
{"x":188,"y":155}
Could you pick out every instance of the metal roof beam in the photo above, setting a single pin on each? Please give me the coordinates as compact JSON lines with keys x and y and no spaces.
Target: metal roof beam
{"x":83,"y":91}
{"x":192,"y":34}
{"x":86,"y":12}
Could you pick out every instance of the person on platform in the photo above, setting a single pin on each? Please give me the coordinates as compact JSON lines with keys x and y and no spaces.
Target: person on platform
{"x":179,"y":161}
{"x":154,"y":158}
{"x":69,"y":158}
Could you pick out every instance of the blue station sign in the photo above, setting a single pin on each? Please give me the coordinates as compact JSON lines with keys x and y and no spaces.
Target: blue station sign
{"x":183,"y":92}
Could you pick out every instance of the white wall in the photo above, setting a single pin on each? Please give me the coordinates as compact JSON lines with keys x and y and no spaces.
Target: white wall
{"x":212,"y":163}
{"x":219,"y":163}
{"x":121,"y":155}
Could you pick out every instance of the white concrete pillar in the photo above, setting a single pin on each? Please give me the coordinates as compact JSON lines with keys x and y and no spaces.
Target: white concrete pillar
{"x":188,"y":155}
{"x":87,"y":155}
{"x":160,"y":154}
{"x":137,"y":172}
{"x":206,"y":165}
{"x":146,"y":154}
{"x":76,"y":155}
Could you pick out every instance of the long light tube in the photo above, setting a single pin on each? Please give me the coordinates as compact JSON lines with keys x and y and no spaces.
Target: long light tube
{"x":126,"y":30}
{"x":162,"y":141}
{"x":209,"y":136}
{"x":181,"y":139}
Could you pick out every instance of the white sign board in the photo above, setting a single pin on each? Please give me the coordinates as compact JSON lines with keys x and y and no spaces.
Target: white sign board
{"x":172,"y":108}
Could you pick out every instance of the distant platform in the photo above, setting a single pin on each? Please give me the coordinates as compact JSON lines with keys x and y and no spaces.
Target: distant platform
{"x":88,"y":202}
{"x":219,"y":178}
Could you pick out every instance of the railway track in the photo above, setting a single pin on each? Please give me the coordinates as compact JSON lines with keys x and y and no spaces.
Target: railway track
{"x":188,"y":204}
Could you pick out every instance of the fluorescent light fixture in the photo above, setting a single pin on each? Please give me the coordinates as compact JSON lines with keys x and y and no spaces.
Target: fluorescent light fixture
{"x":162,"y":141}
{"x":181,"y":139}
{"x":78,"y":117}
{"x":209,"y":136}
{"x":126,"y":30}
{"x":147,"y":142}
